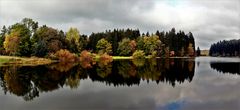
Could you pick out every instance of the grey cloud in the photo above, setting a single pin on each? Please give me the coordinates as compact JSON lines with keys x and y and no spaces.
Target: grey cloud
{"x":208,"y":20}
{"x":221,"y":21}
{"x":109,"y":10}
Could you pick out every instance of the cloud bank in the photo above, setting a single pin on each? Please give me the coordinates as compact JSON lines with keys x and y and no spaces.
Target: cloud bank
{"x":209,"y":21}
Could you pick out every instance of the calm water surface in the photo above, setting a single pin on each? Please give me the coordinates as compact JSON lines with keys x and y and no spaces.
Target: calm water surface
{"x":203,"y":83}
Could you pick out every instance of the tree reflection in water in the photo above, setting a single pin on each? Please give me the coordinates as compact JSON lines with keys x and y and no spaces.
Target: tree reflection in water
{"x":28,"y":82}
{"x":226,"y":67}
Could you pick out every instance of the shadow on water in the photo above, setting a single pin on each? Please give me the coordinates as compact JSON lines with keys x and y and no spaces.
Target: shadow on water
{"x":226,"y":67}
{"x":28,"y":82}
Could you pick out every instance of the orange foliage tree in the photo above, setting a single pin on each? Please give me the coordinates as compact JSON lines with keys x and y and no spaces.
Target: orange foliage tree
{"x":11,"y":43}
{"x":105,"y":59}
{"x":86,"y":59}
{"x":64,"y":55}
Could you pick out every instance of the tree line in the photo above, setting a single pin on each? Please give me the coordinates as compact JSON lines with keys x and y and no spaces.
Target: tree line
{"x":225,"y":48}
{"x":26,"y":38}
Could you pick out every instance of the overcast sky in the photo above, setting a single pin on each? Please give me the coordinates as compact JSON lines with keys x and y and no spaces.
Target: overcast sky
{"x":208,"y":20}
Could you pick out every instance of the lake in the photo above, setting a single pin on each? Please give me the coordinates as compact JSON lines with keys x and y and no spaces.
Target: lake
{"x":203,"y":83}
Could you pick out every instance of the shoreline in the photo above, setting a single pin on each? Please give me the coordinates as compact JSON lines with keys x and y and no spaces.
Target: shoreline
{"x":34,"y":61}
{"x":24,"y":61}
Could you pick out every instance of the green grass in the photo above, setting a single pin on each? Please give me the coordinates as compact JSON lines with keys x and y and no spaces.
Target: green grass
{"x":122,"y":57}
{"x":3,"y":60}
{"x":116,"y":57}
{"x":130,"y":57}
{"x":31,"y":61}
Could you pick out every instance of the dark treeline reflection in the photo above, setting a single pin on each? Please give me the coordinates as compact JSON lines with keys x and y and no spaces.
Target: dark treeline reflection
{"x":28,"y":82}
{"x":226,"y":67}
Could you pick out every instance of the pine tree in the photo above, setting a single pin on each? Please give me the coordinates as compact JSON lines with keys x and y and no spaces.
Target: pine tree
{"x":198,"y":52}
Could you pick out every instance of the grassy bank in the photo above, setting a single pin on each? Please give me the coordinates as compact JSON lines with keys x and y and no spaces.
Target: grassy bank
{"x":122,"y":57}
{"x":3,"y":60}
{"x":32,"y":61}
{"x":146,"y":57}
{"x":25,"y":61}
{"x":116,"y":57}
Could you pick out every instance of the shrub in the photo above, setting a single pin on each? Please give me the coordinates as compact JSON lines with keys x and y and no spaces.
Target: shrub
{"x":124,"y":48}
{"x":138,"y":54}
{"x":103,"y":46}
{"x":64,"y":55}
{"x":133,"y":45}
{"x":153,"y":54}
{"x":105,"y":59}
{"x":86,"y":56}
{"x":86,"y":59}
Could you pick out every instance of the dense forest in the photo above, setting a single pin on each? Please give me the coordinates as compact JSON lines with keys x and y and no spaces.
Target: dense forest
{"x":225,"y":48}
{"x":27,"y":38}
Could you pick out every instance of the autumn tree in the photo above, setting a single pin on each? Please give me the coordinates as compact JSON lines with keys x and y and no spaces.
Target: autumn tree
{"x":52,"y":38}
{"x":65,"y":56}
{"x":18,"y":41}
{"x":124,"y":47}
{"x":151,"y":44}
{"x":11,"y":43}
{"x":112,"y":36}
{"x":86,"y":59}
{"x":138,"y":54}
{"x":73,"y":37}
{"x":133,"y":45}
{"x":22,"y":33}
{"x":103,"y":46}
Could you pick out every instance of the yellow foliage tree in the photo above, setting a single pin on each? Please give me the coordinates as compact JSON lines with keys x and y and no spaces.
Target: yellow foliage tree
{"x":103,"y":46}
{"x":11,"y":43}
{"x":73,"y":33}
{"x":73,"y":36}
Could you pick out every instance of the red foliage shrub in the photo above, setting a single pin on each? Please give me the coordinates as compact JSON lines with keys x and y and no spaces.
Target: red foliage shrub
{"x":86,"y":59}
{"x":172,"y":54}
{"x":105,"y":59}
{"x":133,"y":45}
{"x":64,"y":55}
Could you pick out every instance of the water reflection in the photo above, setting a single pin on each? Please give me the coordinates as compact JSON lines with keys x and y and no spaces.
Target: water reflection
{"x":226,"y":67}
{"x":28,"y":82}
